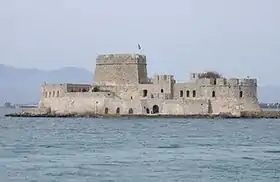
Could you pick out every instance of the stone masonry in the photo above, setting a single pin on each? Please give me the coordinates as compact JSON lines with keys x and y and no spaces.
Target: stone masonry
{"x":121,"y":86}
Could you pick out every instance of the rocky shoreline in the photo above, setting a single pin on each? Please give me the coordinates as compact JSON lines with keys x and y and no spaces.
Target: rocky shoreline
{"x":251,"y":115}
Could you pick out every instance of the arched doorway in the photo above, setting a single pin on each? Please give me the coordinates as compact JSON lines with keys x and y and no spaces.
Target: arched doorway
{"x":130,"y":111}
{"x":155,"y":109}
{"x":106,"y":110}
{"x":118,"y":110}
{"x":147,"y":110}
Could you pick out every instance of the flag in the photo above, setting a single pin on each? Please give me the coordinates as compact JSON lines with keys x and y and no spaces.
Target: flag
{"x":139,"y":47}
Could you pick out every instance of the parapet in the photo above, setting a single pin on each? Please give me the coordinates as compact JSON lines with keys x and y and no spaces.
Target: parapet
{"x":53,"y":86}
{"x":108,"y":59}
{"x":242,"y":82}
{"x":226,"y":82}
{"x":157,"y":79}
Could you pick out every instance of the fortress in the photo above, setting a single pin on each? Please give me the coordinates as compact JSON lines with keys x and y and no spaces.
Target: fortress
{"x":121,"y":87}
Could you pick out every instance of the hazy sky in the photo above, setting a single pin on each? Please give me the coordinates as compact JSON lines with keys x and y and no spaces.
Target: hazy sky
{"x":234,"y":37}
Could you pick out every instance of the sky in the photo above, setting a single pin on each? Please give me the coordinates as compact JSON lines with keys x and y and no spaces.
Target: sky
{"x":237,"y":38}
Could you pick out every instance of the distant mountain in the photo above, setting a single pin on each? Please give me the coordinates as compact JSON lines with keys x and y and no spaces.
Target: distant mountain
{"x":23,"y":85}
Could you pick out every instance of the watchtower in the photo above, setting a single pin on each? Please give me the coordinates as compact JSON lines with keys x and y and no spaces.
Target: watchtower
{"x":120,"y":69}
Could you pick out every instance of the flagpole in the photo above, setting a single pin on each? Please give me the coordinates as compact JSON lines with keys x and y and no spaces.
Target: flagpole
{"x":139,"y":49}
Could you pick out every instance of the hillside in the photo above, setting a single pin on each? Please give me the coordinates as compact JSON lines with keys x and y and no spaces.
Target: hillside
{"x":23,"y":85}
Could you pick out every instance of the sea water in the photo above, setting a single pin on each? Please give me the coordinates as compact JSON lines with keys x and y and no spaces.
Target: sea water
{"x":139,"y":150}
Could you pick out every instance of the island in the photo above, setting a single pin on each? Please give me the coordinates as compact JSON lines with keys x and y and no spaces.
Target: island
{"x":121,"y":87}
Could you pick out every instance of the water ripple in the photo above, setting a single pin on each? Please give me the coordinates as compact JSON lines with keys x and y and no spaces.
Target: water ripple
{"x":41,"y":149}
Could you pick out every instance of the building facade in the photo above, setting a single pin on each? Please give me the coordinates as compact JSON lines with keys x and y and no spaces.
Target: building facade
{"x":121,"y":86}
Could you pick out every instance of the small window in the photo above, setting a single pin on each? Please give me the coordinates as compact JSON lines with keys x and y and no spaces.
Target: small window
{"x":152,"y":96}
{"x":188,"y":93}
{"x":84,"y":90}
{"x":130,"y":111}
{"x":215,"y":81}
{"x":213,"y":94}
{"x":145,"y":93}
{"x":181,"y":93}
{"x":240,"y":94}
{"x":131,"y":97}
{"x":161,"y":90}
{"x":194,"y":93}
{"x":147,"y":110}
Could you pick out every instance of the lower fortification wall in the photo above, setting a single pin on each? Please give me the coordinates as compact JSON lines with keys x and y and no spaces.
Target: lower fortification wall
{"x":103,"y":103}
{"x":109,"y":103}
{"x":234,"y":105}
{"x":186,"y":107}
{"x":75,"y":102}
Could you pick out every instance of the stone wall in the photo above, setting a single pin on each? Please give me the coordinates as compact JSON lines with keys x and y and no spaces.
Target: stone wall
{"x":100,"y":103}
{"x":232,"y":95}
{"x":76,"y":102}
{"x":119,"y":69}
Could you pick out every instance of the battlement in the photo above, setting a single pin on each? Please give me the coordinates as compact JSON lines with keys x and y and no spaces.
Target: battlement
{"x":214,"y":78}
{"x":117,"y":59}
{"x":157,"y":79}
{"x":226,"y":82}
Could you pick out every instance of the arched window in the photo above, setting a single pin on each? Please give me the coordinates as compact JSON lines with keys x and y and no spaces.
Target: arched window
{"x":188,"y":93}
{"x":106,"y":110}
{"x":213,"y":94}
{"x":145,"y":93}
{"x":161,"y":90}
{"x":194,"y":93}
{"x":84,"y":90}
{"x":215,"y":81}
{"x":181,"y":93}
{"x":240,"y":94}
{"x":155,"y":109}
{"x":118,"y":110}
{"x":130,"y":111}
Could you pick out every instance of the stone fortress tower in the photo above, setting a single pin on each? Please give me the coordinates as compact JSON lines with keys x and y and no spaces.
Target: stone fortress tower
{"x":121,"y":86}
{"x":120,"y":69}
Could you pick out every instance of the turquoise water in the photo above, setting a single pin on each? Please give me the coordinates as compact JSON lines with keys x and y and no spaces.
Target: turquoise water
{"x":139,"y":150}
